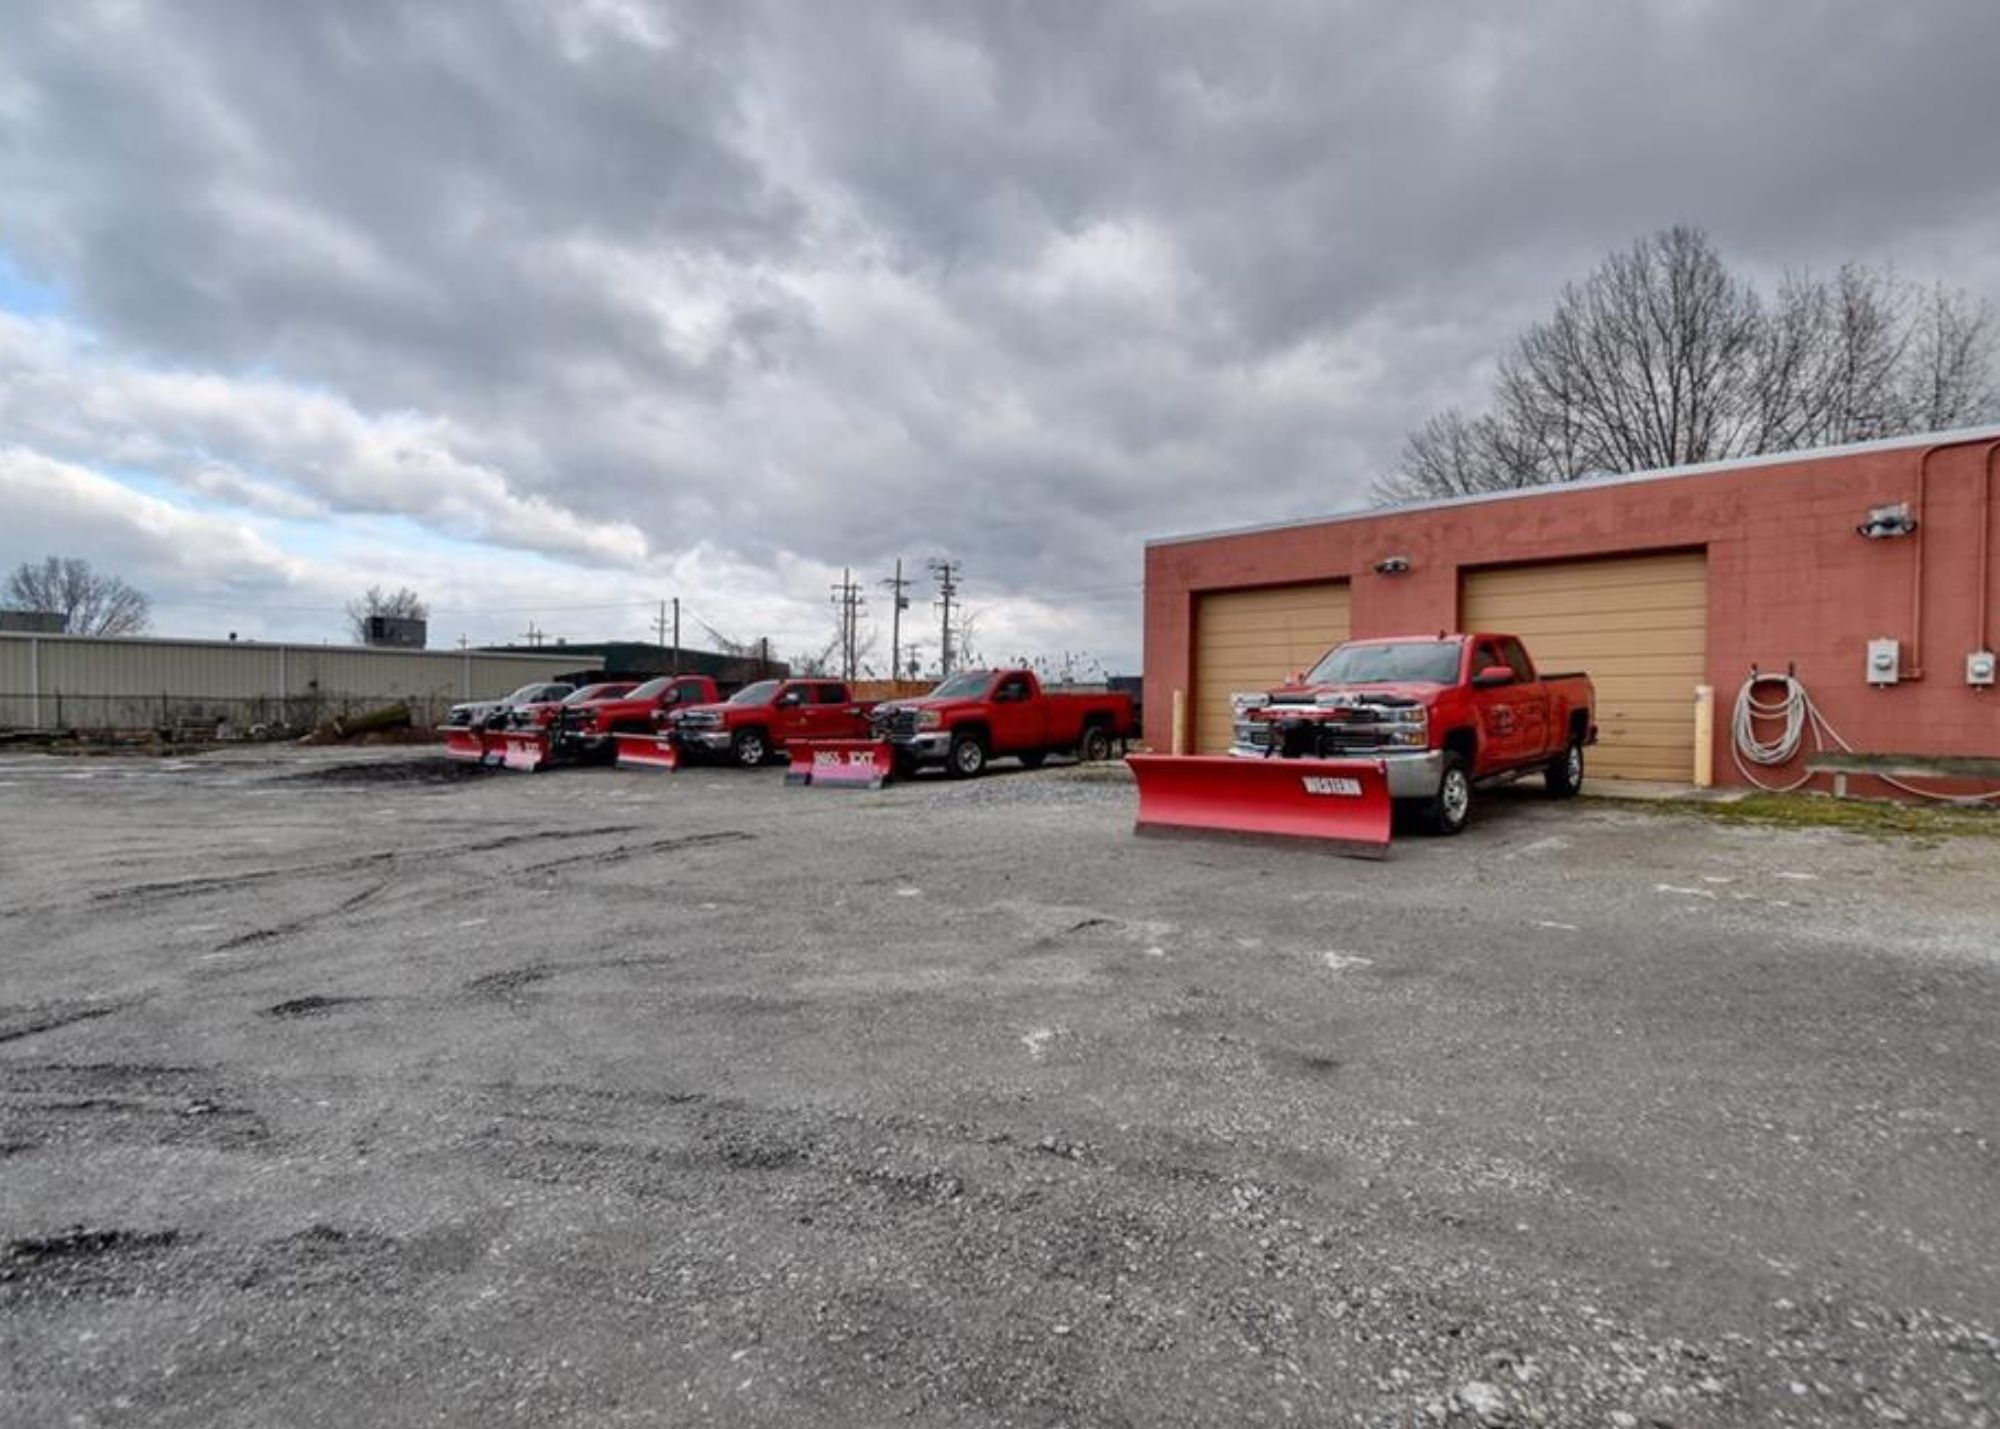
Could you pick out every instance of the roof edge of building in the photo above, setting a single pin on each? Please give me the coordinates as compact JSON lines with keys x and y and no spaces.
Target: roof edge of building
{"x":1953,"y":437}
{"x":161,"y":640}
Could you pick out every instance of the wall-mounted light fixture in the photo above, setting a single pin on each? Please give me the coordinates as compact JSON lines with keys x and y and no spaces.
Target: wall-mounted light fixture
{"x":1885,"y":522}
{"x":1392,"y":565}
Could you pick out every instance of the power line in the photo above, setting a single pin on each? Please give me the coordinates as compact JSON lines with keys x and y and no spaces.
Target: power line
{"x":899,"y":603}
{"x":946,"y":574}
{"x":847,"y":595}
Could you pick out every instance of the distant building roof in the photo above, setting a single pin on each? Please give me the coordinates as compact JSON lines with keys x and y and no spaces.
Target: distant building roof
{"x":640,"y":657}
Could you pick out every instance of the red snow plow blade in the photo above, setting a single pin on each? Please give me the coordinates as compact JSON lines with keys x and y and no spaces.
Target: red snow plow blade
{"x":524,"y":749}
{"x":1342,"y":802}
{"x":648,"y":751}
{"x":841,"y":763}
{"x":464,"y":743}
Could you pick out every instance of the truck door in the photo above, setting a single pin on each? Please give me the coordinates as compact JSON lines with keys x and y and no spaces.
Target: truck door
{"x":1017,"y":716}
{"x":833,"y":713}
{"x":791,"y":713}
{"x":1531,"y":705}
{"x":1497,"y":708}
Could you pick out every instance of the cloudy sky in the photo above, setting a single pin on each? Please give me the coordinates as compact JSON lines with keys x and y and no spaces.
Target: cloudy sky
{"x":553,"y":310}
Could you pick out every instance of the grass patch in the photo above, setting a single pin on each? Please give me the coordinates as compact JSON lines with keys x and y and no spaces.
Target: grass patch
{"x":1861,"y":816}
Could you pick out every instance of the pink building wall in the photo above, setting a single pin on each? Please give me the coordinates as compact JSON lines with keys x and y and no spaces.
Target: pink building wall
{"x":1791,"y":583}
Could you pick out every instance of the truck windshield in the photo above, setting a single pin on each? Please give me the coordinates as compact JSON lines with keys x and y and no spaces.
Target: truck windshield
{"x":652,"y":689}
{"x":1422,"y":662}
{"x":757,"y":694}
{"x":963,"y":686}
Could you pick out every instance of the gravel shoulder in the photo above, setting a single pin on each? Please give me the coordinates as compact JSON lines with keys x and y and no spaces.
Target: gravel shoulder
{"x":343,"y":1089}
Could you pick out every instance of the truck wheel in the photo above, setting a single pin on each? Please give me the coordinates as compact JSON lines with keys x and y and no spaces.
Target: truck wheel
{"x":968,"y":757}
{"x":1450,"y":809}
{"x":1564,"y":774}
{"x":749,"y":748}
{"x":1033,"y":759}
{"x":1095,"y":746}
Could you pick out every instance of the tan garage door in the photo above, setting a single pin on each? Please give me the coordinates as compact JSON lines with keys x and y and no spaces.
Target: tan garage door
{"x":1251,"y":640}
{"x":1636,"y":625}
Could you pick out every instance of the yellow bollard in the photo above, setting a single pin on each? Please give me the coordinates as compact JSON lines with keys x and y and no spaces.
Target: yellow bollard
{"x":1180,"y":722}
{"x":1704,"y":736}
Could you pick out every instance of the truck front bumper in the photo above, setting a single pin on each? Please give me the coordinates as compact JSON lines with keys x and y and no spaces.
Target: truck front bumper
{"x":710,"y":739}
{"x":1413,"y":773}
{"x":929,"y":747}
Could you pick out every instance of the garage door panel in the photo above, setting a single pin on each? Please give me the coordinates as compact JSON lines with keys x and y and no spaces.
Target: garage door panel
{"x":1251,"y":640}
{"x":1637,"y":626}
{"x":1686,"y":566}
{"x":1680,"y":645}
{"x":1560,"y":605}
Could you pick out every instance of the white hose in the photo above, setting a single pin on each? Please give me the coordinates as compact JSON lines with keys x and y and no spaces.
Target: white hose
{"x":1800,"y":717}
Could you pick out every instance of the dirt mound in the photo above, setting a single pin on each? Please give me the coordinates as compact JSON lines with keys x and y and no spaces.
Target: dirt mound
{"x":374,"y":772}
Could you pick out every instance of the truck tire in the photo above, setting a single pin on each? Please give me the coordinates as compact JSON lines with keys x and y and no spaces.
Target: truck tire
{"x":749,"y":748}
{"x":1449,"y":810}
{"x":1564,"y":773}
{"x":967,"y":759}
{"x":1095,"y":746}
{"x":1033,"y":758}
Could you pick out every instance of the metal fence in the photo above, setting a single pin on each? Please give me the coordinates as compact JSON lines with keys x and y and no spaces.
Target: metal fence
{"x":212,"y":717}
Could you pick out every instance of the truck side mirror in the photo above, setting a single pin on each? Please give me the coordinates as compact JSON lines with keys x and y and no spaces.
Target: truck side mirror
{"x":1493,"y":675}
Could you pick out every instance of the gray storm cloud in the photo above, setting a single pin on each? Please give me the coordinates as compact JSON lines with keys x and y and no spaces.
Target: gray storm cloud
{"x":831,"y":284}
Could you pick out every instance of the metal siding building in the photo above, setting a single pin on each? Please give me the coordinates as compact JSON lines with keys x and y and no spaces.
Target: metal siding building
{"x":97,"y":682}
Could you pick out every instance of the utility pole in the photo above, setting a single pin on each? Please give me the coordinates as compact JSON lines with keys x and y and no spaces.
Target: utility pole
{"x":661,"y":626}
{"x":847,"y":595}
{"x":899,"y":603}
{"x":532,"y":635}
{"x":946,"y":573}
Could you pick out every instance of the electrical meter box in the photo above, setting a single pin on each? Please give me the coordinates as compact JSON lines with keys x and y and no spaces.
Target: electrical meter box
{"x":1979,"y":667}
{"x":1885,"y":660}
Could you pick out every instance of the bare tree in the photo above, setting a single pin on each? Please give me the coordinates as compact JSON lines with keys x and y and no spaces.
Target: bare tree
{"x":1663,"y":358}
{"x":400,"y":604}
{"x":90,"y":602}
{"x":817,"y":661}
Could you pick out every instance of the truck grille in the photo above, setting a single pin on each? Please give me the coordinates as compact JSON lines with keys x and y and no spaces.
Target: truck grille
{"x":897,"y":724}
{"x":1351,"y":731}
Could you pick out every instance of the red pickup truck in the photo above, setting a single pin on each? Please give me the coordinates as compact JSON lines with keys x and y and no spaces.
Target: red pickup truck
{"x":1444,"y":714}
{"x":587,"y":726}
{"x":978,"y":715}
{"x":543,"y":714}
{"x":759,"y":720}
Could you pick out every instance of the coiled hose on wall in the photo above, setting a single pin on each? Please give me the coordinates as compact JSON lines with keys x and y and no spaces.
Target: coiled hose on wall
{"x":1798,"y":717}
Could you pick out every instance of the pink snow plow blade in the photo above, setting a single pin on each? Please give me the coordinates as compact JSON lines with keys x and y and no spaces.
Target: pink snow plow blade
{"x":464,"y":743}
{"x":524,"y":749}
{"x":648,"y":751}
{"x":841,"y":763}
{"x":1343,"y":803}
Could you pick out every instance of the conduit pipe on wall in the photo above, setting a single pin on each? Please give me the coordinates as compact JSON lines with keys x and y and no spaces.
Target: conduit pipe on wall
{"x":1915,"y":669}
{"x":1984,"y":592}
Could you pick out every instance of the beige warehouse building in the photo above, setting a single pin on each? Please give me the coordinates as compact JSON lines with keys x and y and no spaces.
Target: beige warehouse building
{"x":104,"y":682}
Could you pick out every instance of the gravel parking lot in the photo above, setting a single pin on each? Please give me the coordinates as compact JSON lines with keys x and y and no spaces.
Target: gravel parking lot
{"x":342,"y":1089}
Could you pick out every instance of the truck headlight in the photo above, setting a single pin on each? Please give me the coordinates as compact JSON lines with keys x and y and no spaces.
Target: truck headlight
{"x":1242,"y":704}
{"x":929,"y":719}
{"x":1409,"y":729}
